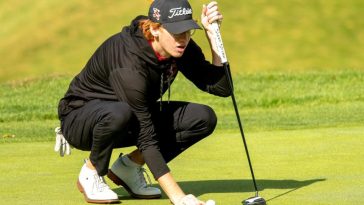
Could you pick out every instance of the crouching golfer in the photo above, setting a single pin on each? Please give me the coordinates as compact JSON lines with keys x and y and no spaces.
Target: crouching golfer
{"x":116,"y":101}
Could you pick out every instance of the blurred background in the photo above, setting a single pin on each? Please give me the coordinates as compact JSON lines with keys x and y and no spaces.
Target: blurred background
{"x":43,"y":37}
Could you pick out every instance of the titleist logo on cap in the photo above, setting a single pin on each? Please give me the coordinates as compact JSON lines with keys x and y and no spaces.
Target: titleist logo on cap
{"x":179,"y":12}
{"x":174,"y":15}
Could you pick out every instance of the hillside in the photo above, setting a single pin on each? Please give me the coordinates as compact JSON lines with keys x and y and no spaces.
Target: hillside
{"x":43,"y":37}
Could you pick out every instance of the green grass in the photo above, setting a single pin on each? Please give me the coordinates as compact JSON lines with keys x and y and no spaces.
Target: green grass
{"x":309,"y":166}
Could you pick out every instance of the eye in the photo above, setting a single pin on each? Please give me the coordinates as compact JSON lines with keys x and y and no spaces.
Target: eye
{"x":184,"y":34}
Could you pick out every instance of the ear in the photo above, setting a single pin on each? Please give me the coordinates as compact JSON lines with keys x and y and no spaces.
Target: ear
{"x":154,"y":32}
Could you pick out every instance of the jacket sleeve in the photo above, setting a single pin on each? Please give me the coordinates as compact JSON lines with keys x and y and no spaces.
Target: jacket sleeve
{"x":131,"y":86}
{"x":203,"y":74}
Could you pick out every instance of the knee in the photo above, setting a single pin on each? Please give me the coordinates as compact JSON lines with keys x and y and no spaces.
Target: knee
{"x":209,"y":118}
{"x":199,"y":123}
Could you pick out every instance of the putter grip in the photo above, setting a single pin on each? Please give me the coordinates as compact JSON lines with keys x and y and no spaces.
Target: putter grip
{"x":218,"y":42}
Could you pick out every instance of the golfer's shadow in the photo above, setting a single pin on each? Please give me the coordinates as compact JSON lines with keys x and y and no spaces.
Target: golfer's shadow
{"x":233,"y":186}
{"x":239,"y":185}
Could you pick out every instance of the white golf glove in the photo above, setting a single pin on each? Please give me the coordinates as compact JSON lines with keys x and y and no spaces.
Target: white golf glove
{"x":61,"y":143}
{"x":192,"y":200}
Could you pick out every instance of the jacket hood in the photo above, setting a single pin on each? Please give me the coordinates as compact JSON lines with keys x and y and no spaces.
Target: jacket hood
{"x":136,"y":43}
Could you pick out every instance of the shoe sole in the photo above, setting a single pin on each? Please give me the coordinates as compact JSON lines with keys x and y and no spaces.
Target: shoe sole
{"x":110,"y":201}
{"x":120,"y":182}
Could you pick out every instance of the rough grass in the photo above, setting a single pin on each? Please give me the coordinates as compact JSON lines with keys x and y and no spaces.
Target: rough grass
{"x":267,"y":101}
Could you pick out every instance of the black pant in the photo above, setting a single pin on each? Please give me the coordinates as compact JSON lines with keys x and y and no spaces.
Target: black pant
{"x":99,"y":126}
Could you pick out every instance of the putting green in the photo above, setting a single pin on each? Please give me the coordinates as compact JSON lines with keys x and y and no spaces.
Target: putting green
{"x":312,"y":166}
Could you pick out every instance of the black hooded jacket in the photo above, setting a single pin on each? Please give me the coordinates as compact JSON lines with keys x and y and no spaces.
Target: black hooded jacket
{"x":126,"y":68}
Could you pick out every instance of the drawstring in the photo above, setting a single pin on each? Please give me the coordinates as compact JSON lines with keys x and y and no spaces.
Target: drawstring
{"x":161,"y":92}
{"x":170,"y":76}
{"x":169,"y":89}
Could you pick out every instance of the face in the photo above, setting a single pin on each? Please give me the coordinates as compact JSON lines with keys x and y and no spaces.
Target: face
{"x":172,"y":44}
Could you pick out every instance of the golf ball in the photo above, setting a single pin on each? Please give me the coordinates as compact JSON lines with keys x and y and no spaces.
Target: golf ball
{"x":210,"y":202}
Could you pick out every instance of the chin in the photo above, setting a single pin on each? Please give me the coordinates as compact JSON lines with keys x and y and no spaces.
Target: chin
{"x":177,"y":55}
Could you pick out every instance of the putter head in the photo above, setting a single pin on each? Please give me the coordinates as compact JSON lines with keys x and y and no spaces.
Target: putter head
{"x":257,"y":200}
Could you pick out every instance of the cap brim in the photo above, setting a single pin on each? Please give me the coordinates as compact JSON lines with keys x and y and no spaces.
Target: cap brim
{"x":181,"y":26}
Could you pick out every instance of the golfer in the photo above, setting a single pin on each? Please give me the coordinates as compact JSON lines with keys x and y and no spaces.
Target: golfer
{"x":116,"y":101}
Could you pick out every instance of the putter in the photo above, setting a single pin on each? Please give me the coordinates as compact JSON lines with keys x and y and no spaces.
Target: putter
{"x":256,"y":200}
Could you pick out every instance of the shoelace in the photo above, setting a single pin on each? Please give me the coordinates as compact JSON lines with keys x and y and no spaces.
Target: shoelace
{"x":142,"y":172}
{"x":100,"y":183}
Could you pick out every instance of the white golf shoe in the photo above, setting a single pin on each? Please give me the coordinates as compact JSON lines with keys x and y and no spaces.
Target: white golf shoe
{"x":124,"y":172}
{"x":94,"y":187}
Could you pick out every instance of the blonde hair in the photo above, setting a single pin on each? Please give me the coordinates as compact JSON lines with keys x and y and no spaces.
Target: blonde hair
{"x":145,"y":26}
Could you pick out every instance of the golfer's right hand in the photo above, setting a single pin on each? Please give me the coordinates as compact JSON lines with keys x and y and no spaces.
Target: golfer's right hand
{"x":61,"y":143}
{"x":190,"y":200}
{"x":210,"y":14}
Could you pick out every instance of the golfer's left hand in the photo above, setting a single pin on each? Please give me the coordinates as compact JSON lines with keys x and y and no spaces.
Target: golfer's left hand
{"x":210,"y":14}
{"x":61,"y":143}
